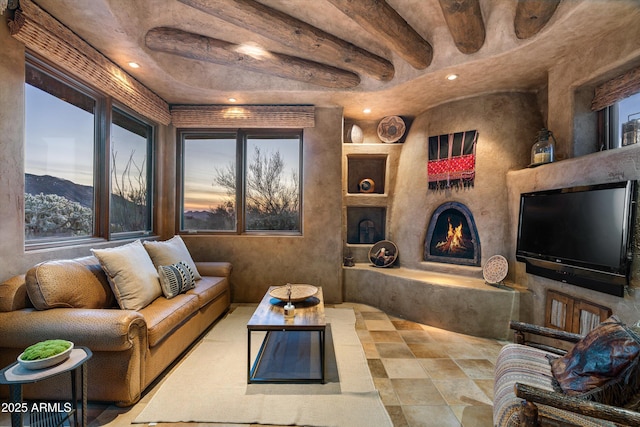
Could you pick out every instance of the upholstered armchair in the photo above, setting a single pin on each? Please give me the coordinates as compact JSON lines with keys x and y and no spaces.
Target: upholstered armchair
{"x":527,"y":390}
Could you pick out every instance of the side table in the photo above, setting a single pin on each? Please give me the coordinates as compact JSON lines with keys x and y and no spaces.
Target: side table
{"x":15,"y":376}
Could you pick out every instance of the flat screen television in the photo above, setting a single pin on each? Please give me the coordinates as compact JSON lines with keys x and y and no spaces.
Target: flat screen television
{"x":579,"y":235}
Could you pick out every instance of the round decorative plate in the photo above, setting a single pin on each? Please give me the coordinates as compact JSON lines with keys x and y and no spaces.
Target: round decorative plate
{"x":47,"y":362}
{"x":495,"y":270}
{"x":391,"y":129}
{"x":299,"y":292}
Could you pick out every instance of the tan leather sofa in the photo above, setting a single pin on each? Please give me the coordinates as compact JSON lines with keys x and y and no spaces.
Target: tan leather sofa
{"x":130,"y":348}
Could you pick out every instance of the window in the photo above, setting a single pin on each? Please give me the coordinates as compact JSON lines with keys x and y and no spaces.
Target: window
{"x":620,"y":123}
{"x":130,"y":174}
{"x":71,"y":156}
{"x":244,"y":181}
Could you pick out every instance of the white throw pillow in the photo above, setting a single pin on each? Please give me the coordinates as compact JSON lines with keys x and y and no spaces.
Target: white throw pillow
{"x":170,"y":252}
{"x":131,"y":273}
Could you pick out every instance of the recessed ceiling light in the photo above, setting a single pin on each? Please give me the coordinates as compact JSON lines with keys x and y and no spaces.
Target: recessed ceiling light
{"x":232,"y":100}
{"x":252,"y":50}
{"x":134,"y":64}
{"x":452,"y":76}
{"x":367,"y":110}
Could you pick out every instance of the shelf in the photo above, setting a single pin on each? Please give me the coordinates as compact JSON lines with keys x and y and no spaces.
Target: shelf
{"x":370,"y":167}
{"x":365,"y":225}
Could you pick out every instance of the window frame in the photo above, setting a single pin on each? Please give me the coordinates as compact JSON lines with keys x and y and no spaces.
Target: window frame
{"x":241,"y":136}
{"x":610,"y":127}
{"x":101,"y":162}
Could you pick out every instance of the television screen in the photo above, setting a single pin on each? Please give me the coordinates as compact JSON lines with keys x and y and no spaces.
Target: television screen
{"x":584,"y":227}
{"x":579,"y":235}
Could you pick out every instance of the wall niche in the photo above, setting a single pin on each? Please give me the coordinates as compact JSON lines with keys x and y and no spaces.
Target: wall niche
{"x":365,"y":225}
{"x":369,"y":167}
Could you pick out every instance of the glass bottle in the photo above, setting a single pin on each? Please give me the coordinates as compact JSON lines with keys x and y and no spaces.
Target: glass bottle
{"x":542,"y":150}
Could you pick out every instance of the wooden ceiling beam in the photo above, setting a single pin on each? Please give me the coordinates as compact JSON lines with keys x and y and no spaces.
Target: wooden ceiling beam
{"x":289,"y":31}
{"x":381,"y":20}
{"x":532,"y":16}
{"x":195,"y":46}
{"x":464,"y":19}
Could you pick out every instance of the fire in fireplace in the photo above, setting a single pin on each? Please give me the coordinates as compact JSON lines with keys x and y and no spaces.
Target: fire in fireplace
{"x":452,"y":236}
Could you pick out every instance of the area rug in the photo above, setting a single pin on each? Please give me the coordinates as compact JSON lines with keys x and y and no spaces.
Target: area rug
{"x":210,"y":385}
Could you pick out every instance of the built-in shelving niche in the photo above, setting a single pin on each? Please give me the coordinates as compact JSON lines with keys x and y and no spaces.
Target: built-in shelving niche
{"x":365,"y":225}
{"x":361,"y":167}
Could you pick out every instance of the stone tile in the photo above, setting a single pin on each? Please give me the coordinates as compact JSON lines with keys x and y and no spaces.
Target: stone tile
{"x":370,"y":350}
{"x":430,"y":416}
{"x":386,"y":391}
{"x":360,"y":323}
{"x":406,"y":325}
{"x":377,"y":368}
{"x":397,"y":416}
{"x":462,"y":350}
{"x":379,"y":325}
{"x":490,"y":351}
{"x":418,"y":391}
{"x":443,"y":335}
{"x":415,"y":336}
{"x":444,"y":369}
{"x":429,"y":350}
{"x":461,"y":392}
{"x":374,"y":315}
{"x":364,"y":335}
{"x":362,"y":308}
{"x":474,"y":416}
{"x":486,"y":386}
{"x":404,"y":368}
{"x":476,"y":368}
{"x":385,"y":336}
{"x":394,"y":350}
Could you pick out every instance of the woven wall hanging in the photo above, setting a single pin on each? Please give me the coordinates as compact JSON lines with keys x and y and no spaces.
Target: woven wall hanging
{"x":452,"y":160}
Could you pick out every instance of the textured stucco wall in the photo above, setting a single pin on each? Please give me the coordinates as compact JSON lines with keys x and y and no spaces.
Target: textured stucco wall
{"x":581,"y":71}
{"x":607,"y":166}
{"x":259,"y":261}
{"x":507,"y":124}
{"x":316,"y":256}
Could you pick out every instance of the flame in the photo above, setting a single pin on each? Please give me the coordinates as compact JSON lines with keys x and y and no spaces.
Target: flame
{"x":454,"y":241}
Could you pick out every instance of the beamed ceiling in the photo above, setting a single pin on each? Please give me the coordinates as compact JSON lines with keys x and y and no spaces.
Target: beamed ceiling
{"x":392,"y":57}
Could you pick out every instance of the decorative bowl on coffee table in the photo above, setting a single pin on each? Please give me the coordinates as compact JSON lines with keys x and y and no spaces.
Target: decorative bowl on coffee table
{"x":299,"y":292}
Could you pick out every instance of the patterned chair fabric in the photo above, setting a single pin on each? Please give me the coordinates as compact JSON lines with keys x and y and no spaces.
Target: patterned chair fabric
{"x":527,"y":365}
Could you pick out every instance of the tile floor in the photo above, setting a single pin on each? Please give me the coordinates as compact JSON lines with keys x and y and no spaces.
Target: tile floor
{"x":426,"y":376}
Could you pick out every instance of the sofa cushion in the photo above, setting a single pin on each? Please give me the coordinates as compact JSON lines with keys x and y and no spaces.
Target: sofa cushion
{"x":166,"y":315}
{"x":132,"y":276}
{"x":170,"y":252}
{"x":71,"y":283}
{"x":175,"y":279}
{"x":527,"y":365}
{"x":13,"y":294}
{"x":604,"y":366}
{"x":208,"y":289}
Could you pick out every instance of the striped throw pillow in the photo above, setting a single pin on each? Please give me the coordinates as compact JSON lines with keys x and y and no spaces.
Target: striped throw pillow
{"x":176,"y":278}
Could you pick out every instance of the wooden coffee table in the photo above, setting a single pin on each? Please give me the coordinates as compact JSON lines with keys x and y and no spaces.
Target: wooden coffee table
{"x":293,"y":349}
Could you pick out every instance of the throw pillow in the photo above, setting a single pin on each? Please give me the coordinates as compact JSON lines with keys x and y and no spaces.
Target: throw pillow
{"x":604,"y":366}
{"x":132,"y":276}
{"x":69,"y":283}
{"x":175,"y":279}
{"x":170,"y":252}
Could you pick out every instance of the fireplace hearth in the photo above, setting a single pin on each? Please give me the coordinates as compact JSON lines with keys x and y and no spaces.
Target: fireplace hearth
{"x":452,"y":236}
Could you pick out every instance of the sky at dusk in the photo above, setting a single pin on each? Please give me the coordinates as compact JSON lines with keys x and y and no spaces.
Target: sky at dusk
{"x":204,"y":156}
{"x":60,"y":138}
{"x":60,"y":143}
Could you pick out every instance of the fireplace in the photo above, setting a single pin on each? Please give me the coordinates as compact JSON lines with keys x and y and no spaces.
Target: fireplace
{"x":452,"y":236}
